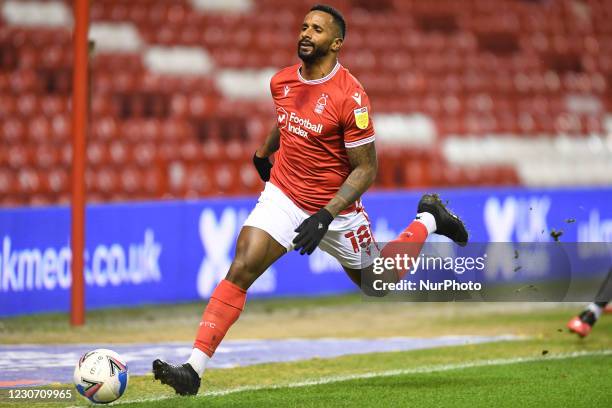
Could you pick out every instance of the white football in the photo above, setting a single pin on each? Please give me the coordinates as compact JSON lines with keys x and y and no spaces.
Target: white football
{"x":101,"y":376}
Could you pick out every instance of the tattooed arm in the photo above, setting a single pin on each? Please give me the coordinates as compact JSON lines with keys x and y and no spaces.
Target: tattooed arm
{"x":364,"y":167}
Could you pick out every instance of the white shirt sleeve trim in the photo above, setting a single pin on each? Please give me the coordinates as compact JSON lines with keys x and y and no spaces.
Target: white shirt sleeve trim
{"x":360,"y":142}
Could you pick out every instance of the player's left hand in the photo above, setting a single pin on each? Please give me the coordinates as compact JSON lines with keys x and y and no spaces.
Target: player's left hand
{"x":311,"y":231}
{"x":263,"y":166}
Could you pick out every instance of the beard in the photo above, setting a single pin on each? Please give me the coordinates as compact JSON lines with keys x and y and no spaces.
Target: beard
{"x":316,"y":53}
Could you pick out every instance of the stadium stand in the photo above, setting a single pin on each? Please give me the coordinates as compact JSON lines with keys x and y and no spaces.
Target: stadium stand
{"x":464,"y":93}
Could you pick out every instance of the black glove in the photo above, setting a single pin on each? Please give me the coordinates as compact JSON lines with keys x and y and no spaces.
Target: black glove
{"x":263,"y":166}
{"x":312,"y":231}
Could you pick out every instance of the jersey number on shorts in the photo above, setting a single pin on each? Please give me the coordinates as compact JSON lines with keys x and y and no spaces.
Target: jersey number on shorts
{"x":360,"y":239}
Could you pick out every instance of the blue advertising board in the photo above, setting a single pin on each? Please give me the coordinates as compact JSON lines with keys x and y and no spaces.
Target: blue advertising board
{"x":164,"y":252}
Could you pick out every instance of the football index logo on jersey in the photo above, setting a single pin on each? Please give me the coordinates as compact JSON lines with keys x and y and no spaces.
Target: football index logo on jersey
{"x":296,"y":125}
{"x":300,"y":123}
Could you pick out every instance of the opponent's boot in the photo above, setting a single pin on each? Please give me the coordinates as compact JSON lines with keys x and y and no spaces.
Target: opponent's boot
{"x":582,"y":324}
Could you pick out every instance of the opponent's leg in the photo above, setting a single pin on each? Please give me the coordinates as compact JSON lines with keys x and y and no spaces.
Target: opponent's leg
{"x":256,"y":250}
{"x":584,"y":322}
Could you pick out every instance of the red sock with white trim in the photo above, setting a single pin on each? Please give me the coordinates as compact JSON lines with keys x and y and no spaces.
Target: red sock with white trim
{"x":410,"y":241}
{"x":223,"y":309}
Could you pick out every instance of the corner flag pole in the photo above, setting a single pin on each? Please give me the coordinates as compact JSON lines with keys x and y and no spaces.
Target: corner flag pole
{"x":79,"y":135}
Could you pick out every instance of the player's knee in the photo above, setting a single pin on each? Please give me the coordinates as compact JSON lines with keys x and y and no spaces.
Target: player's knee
{"x":371,"y":292}
{"x":241,"y":273}
{"x":366,"y":282}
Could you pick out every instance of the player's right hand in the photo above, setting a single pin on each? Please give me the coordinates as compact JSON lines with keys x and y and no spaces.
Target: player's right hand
{"x":311,"y":231}
{"x":263,"y":166}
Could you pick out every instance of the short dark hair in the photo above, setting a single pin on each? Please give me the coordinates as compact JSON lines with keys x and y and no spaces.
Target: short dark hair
{"x":338,"y":18}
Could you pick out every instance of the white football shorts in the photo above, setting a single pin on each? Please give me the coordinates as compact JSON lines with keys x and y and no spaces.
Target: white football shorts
{"x":349,"y":238}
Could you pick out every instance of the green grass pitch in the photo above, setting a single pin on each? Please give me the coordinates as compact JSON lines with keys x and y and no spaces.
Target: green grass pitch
{"x":548,"y":368}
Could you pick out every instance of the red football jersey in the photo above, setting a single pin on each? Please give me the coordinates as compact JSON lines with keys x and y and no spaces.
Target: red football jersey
{"x":318,"y":120}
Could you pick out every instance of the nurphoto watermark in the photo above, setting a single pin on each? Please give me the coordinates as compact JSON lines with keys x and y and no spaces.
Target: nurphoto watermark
{"x":499,"y":271}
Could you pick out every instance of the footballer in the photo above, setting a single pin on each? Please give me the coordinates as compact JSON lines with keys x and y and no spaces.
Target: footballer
{"x":325,"y":159}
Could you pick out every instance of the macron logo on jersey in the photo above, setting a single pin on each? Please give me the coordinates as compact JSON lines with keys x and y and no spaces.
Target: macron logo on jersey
{"x":357,"y":98}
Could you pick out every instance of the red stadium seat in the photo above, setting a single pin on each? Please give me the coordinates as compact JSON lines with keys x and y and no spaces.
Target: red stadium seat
{"x":459,"y":64}
{"x":190,"y":151}
{"x":132,"y":181}
{"x":39,"y":129}
{"x":18,"y":156}
{"x":28,"y":105}
{"x":8,"y":183}
{"x":154,"y":182}
{"x":226,"y":178}
{"x":13,"y":131}
{"x":176,"y":175}
{"x":46,"y":156}
{"x":57,"y":180}
{"x":416,"y":173}
{"x":106,"y":181}
{"x":119,"y":153}
{"x":97,"y":154}
{"x":145,"y":154}
{"x":28,"y":180}
{"x":199,"y":181}
{"x":249,"y":178}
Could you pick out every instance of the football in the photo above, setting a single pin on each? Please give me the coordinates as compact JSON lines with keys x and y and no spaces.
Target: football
{"x":101,"y":376}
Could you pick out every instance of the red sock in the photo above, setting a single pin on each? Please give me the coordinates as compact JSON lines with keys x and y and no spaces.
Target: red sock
{"x":409,"y":242}
{"x":223,"y":309}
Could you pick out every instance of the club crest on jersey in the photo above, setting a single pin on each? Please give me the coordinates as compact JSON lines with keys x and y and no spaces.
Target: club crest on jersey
{"x":321,"y":103}
{"x":361,"y":117}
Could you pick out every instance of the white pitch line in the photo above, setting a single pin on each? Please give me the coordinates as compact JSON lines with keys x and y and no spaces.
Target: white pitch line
{"x":388,"y":373}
